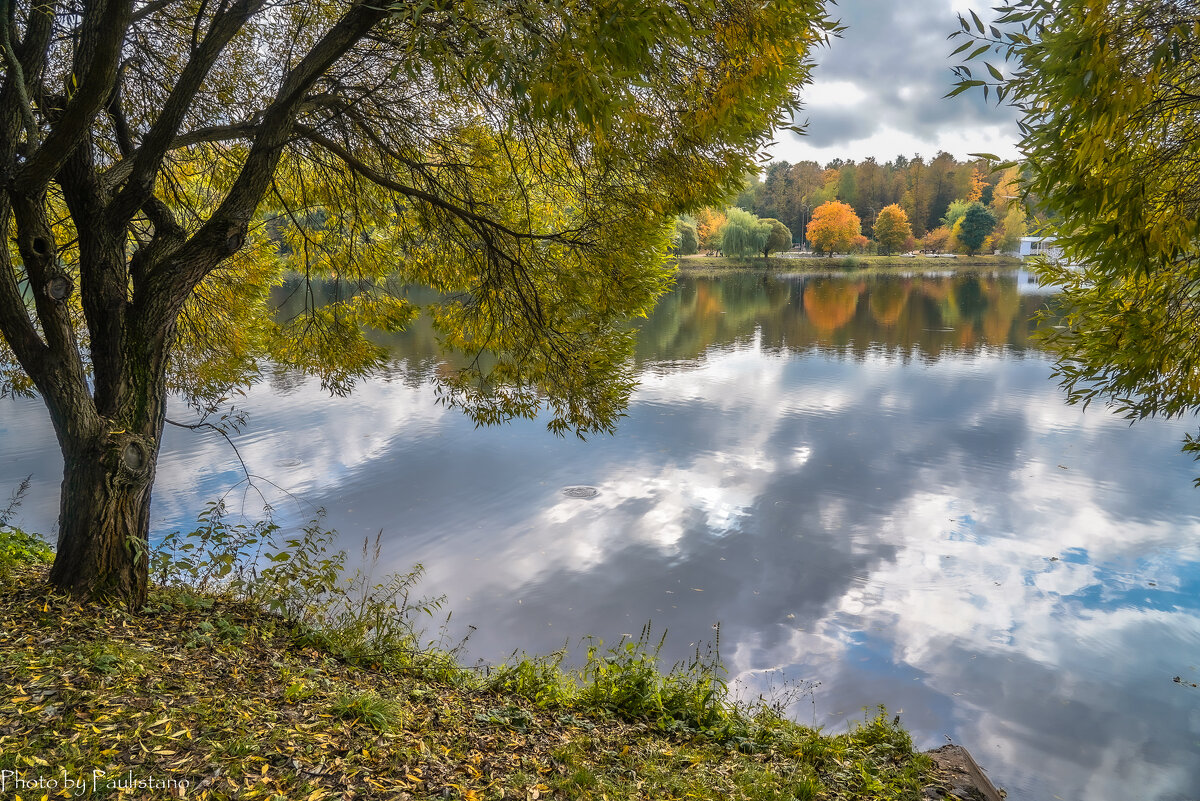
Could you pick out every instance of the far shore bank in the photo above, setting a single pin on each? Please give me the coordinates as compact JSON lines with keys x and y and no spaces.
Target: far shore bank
{"x":824,"y":264}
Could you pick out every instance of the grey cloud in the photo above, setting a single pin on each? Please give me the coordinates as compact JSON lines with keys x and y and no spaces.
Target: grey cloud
{"x":890,"y":46}
{"x":830,"y":126}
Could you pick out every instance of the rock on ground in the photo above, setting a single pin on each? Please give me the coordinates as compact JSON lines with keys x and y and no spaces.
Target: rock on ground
{"x":965,"y":779}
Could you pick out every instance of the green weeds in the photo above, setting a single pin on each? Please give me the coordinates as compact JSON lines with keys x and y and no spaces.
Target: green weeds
{"x":626,"y":681}
{"x":17,"y":547}
{"x":304,"y":580}
{"x":367,"y":708}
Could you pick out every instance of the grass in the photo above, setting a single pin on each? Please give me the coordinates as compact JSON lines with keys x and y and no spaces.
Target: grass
{"x":215,"y":695}
{"x":716,"y":264}
{"x":18,"y":548}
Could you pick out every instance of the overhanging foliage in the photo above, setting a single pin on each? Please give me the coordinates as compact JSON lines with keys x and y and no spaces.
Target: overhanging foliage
{"x":1109,"y":100}
{"x":165,"y":163}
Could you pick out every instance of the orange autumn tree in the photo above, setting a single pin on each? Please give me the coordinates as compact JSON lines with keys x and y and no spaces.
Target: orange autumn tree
{"x":833,"y":228}
{"x":975,"y":189}
{"x":709,"y":222}
{"x":937,"y":239}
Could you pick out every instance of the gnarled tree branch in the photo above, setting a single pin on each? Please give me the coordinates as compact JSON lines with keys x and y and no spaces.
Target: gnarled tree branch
{"x":102,"y":35}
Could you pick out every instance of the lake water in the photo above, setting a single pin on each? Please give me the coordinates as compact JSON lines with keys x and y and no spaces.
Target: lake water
{"x":873,"y":484}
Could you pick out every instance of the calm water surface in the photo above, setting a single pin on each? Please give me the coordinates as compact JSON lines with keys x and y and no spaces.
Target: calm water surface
{"x":871,"y":483}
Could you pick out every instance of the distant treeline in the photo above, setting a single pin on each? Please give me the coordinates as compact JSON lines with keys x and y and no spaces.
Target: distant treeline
{"x":924,"y":189}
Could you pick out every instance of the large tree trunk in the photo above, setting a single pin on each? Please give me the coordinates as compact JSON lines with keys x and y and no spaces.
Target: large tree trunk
{"x":135,"y":265}
{"x":104,"y":518}
{"x":110,"y":448}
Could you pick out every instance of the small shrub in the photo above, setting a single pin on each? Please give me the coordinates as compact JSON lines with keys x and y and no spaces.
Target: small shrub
{"x":304,"y":579}
{"x":19,"y":548}
{"x":366,"y":707}
{"x":215,"y":557}
{"x":874,"y":759}
{"x":626,"y":681}
{"x":537,"y":678}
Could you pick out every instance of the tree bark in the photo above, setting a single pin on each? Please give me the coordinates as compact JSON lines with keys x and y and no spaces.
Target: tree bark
{"x":104,"y":518}
{"x":110,"y":456}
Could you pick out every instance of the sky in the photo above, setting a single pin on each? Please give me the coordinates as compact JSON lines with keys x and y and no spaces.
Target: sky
{"x":878,"y":90}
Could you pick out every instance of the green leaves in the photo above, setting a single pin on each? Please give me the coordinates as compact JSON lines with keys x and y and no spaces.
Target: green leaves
{"x":963,"y":86}
{"x":978,"y":22}
{"x":977,"y":223}
{"x":18,"y":548}
{"x":1110,"y":120}
{"x":743,"y":233}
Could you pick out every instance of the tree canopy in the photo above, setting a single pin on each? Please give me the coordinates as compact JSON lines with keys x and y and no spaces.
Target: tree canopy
{"x":974,"y":226}
{"x":834,"y":227}
{"x":686,"y":241}
{"x":1109,"y":100}
{"x":165,"y":163}
{"x":743,"y":233}
{"x":931,"y":196}
{"x":892,"y":230}
{"x":709,"y":224}
{"x":780,"y":238}
{"x":937,"y":240}
{"x":924,"y":188}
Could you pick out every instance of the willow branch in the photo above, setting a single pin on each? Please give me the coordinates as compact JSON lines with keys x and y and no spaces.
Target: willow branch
{"x":103,"y":28}
{"x":17,"y":76}
{"x":373,"y":175}
{"x":120,"y":171}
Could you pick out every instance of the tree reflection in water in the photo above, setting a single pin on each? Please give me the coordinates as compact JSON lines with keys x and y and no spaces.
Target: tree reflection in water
{"x":910,"y":315}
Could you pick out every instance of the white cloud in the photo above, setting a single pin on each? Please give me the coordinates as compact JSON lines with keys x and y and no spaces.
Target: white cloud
{"x":835,"y":93}
{"x":305,"y":445}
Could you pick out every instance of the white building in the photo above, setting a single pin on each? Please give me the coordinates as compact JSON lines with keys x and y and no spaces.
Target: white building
{"x":1040,"y":246}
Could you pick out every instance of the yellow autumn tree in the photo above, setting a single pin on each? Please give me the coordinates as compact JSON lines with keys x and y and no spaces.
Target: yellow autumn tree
{"x":1010,"y":209}
{"x":892,"y":229}
{"x":975,"y":189}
